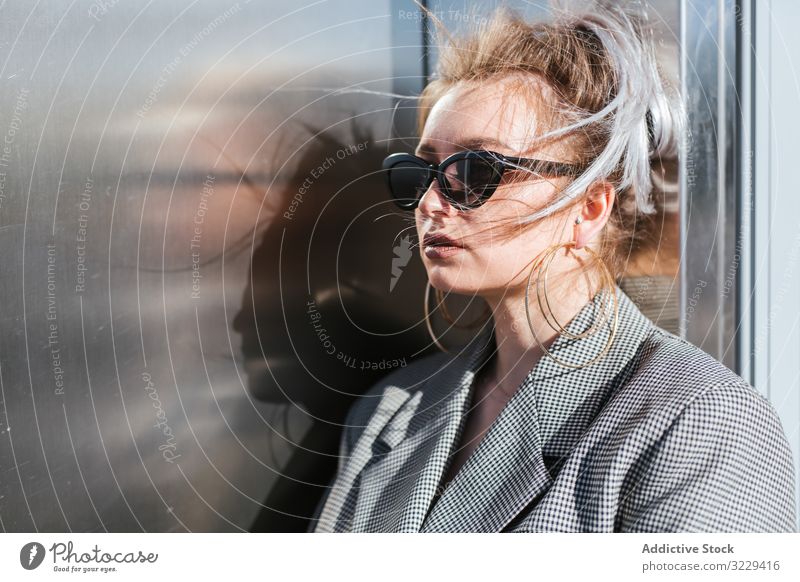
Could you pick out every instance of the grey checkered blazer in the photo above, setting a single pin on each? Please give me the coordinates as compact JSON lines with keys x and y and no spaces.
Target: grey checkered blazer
{"x":656,"y":436}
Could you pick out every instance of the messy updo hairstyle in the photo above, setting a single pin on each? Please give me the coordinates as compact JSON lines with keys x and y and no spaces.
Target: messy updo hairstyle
{"x":606,"y":100}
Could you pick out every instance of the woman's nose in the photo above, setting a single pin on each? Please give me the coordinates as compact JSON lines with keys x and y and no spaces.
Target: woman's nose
{"x":433,"y":202}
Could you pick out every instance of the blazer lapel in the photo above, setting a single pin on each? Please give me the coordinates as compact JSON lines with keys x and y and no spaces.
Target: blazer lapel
{"x":409,"y":455}
{"x":547,"y":415}
{"x":332,"y":517}
{"x":504,"y":473}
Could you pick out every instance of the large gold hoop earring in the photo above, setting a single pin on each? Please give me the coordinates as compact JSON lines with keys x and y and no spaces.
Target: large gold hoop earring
{"x":449,"y":318}
{"x":607,"y":289}
{"x":428,"y":319}
{"x":607,"y":276}
{"x":446,"y":315}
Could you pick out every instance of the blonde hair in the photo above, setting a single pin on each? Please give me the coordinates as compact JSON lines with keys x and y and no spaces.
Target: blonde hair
{"x":606,"y":99}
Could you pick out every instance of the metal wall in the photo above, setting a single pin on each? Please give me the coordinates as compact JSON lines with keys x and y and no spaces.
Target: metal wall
{"x":155,"y":155}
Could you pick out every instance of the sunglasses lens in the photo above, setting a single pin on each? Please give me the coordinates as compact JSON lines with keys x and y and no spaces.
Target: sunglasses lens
{"x":407,"y":182}
{"x":471,"y":180}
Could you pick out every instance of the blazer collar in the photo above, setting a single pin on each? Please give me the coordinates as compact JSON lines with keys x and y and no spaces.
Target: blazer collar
{"x":518,"y":457}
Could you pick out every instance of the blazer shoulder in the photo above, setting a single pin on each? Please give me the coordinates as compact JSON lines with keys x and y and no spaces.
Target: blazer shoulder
{"x":673,"y":373}
{"x":711,"y":454}
{"x":676,"y":359}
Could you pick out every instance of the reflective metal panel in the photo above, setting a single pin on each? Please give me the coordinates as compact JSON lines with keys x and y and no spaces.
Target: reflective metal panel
{"x":715,"y":221}
{"x":195,"y":247}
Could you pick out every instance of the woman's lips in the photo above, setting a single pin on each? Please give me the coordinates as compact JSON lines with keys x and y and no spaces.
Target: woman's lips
{"x":441,"y":251}
{"x":440,"y":246}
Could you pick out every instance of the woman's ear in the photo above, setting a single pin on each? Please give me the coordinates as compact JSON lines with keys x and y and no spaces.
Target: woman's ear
{"x":594,"y":213}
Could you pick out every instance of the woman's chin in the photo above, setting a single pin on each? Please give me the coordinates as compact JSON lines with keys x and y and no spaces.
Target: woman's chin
{"x":451,"y":284}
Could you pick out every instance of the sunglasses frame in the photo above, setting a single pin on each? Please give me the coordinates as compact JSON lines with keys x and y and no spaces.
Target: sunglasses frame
{"x":498,"y":162}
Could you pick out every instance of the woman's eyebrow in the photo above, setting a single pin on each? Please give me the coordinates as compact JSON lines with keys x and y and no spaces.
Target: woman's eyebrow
{"x":472,"y":143}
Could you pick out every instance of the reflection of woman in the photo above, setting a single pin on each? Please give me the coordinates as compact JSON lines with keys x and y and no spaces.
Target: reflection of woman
{"x":543,"y":136}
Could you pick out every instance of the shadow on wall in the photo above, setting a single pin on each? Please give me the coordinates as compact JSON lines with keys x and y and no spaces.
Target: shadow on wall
{"x":319,"y":324}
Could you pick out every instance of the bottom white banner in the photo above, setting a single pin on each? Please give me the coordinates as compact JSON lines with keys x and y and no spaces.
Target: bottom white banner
{"x":352,"y":557}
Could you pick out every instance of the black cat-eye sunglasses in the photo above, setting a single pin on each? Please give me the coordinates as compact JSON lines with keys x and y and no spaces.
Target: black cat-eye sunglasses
{"x":467,"y":179}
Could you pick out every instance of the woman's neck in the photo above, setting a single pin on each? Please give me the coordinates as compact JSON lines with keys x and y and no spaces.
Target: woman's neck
{"x":517,"y":349}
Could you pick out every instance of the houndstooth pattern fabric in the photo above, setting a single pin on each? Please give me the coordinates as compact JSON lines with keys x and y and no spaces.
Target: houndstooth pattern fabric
{"x":657,"y":436}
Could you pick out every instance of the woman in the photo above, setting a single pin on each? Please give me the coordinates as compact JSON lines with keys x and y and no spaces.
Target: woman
{"x":530,"y":186}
